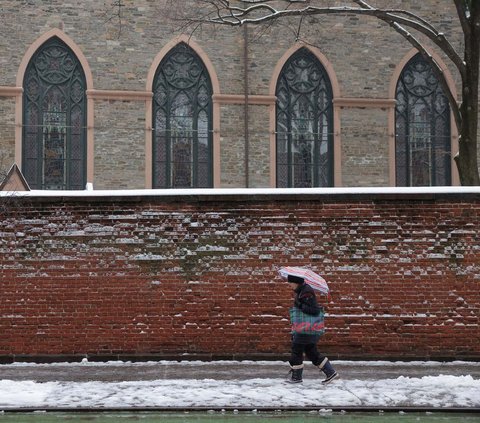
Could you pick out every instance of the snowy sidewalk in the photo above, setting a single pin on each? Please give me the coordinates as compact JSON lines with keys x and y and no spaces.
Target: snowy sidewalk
{"x":233,"y":384}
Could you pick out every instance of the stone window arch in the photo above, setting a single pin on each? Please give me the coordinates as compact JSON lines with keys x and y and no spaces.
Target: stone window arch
{"x":422,"y":127}
{"x":54,"y":135}
{"x":304,"y":123}
{"x":182,"y":121}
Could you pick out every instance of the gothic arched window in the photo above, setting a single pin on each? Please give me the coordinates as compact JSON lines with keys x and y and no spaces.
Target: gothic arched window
{"x":422,"y":127}
{"x":182,"y":118}
{"x":304,"y":122}
{"x":54,"y":116}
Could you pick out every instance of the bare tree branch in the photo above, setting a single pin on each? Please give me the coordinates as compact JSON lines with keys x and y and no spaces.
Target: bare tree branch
{"x":395,"y":24}
{"x":405,"y":23}
{"x":422,"y":26}
{"x":436,"y":68}
{"x":114,"y":13}
{"x":264,"y":12}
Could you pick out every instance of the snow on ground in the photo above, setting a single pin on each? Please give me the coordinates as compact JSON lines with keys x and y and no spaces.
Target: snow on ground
{"x":438,"y":391}
{"x":427,"y":391}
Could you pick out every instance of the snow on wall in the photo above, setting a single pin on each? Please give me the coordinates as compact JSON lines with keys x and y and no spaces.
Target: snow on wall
{"x":197,"y":274}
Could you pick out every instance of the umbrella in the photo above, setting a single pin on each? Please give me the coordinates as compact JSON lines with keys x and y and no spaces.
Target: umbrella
{"x":310,"y":277}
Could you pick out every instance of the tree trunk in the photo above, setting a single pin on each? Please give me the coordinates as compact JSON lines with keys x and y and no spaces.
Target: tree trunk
{"x":467,"y":159}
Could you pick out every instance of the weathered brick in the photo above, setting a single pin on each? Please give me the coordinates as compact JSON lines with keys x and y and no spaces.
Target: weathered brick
{"x":99,"y":282}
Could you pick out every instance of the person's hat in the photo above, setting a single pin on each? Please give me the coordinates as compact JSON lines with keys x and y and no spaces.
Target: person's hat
{"x":295,"y":279}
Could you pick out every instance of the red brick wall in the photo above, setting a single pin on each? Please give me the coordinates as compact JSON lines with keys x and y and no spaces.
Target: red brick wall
{"x":197,"y":275}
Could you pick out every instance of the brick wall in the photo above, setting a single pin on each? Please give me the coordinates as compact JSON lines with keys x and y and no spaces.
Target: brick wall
{"x":196,"y":275}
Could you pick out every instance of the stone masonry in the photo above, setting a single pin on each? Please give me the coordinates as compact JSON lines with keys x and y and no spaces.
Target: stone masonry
{"x":363,"y":54}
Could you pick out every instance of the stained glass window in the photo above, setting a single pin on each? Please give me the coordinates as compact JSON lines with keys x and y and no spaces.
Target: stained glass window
{"x":422,"y":127}
{"x":304,"y":122}
{"x":54,"y":116}
{"x":182,"y":117}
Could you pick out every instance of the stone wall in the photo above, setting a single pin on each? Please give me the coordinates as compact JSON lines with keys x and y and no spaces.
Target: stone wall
{"x":364,"y":147}
{"x":363,"y":54}
{"x":7,"y":131}
{"x":195,"y":275}
{"x":119,"y":144}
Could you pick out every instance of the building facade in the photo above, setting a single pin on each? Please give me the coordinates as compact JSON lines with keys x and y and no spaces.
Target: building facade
{"x":118,"y":97}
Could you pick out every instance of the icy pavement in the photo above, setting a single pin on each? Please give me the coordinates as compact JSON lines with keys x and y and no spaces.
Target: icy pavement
{"x":230,"y":384}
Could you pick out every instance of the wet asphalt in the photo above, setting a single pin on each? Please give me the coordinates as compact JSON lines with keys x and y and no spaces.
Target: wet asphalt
{"x":120,"y":371}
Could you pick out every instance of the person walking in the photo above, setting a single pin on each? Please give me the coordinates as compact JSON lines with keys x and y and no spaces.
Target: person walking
{"x":302,"y":343}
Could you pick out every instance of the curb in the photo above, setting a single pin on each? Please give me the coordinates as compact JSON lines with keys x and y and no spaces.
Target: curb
{"x":407,"y":409}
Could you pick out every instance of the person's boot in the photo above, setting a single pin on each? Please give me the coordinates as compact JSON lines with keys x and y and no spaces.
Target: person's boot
{"x":295,"y":374}
{"x":326,"y":367}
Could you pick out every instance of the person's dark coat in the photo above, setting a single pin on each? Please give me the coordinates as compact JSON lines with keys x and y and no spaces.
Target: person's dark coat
{"x":306,"y":300}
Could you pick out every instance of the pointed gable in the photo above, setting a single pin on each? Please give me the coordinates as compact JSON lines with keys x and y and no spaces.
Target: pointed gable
{"x":14,"y":181}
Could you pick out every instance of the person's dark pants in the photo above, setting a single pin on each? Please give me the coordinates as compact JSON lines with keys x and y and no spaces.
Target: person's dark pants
{"x":310,"y":350}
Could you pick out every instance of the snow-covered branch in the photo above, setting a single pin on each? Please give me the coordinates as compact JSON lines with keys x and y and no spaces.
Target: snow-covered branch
{"x":411,"y":20}
{"x":260,"y":11}
{"x":413,"y":28}
{"x":436,"y":68}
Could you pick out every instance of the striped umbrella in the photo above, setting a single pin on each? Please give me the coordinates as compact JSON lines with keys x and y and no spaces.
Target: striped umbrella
{"x":310,"y":277}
